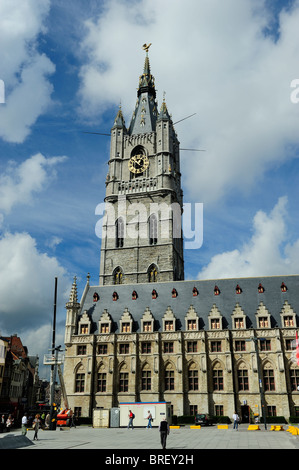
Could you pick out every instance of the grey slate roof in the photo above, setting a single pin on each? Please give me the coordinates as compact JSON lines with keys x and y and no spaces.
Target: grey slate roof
{"x":249,"y":300}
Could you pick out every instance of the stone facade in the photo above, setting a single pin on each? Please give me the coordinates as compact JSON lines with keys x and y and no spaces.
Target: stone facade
{"x":196,"y":351}
{"x":143,"y":333}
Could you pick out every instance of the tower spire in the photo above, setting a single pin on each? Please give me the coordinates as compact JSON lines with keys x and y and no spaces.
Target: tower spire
{"x":145,"y":113}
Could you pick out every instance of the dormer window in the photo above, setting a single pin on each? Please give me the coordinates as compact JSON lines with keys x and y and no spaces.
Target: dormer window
{"x":126,"y":327}
{"x":174,"y":293}
{"x":216,"y":290}
{"x":260,"y":289}
{"x":134,"y":295}
{"x":126,"y":322}
{"x":84,"y":324}
{"x":154,"y":294}
{"x":147,"y":321}
{"x":215,"y":319}
{"x":169,"y":321}
{"x":96,"y":297}
{"x":194,"y":292}
{"x":114,"y":296}
{"x":105,"y":323}
{"x":238,"y":289}
{"x":263,"y":317}
{"x":283,"y":287}
{"x":105,"y":328}
{"x":168,"y":325}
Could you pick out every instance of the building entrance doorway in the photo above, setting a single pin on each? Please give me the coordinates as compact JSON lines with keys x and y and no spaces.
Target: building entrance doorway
{"x":245,"y":414}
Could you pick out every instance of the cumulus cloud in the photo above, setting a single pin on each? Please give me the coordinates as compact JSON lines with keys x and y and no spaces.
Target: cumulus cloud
{"x":27,"y":274}
{"x":27,"y":283}
{"x":221,"y":65}
{"x":266,"y":253}
{"x":24,"y":70}
{"x":18,"y":183}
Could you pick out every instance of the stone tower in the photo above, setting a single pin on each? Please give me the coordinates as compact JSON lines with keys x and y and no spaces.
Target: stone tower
{"x":142,"y":236}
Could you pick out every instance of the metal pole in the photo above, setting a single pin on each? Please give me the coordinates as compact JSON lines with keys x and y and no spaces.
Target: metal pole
{"x":52,"y":379}
{"x":263,"y":404}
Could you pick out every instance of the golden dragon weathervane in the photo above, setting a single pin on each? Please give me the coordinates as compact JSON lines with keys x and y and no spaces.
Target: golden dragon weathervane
{"x":146,"y":47}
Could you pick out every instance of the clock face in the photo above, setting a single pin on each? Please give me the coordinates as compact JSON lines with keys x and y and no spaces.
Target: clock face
{"x":138,"y":163}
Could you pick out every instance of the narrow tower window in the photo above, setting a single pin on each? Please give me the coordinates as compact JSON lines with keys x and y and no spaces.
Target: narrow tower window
{"x":119,"y":232}
{"x":153,"y":229}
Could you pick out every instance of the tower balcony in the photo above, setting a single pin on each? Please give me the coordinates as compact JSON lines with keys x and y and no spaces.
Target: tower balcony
{"x":139,"y":185}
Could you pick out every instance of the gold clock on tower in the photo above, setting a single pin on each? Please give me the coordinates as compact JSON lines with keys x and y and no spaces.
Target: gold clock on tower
{"x":138,"y":163}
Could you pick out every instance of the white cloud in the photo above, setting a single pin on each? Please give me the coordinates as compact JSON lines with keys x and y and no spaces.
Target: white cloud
{"x":18,"y":183}
{"x":211,"y":58}
{"x":24,"y":69}
{"x":265,"y":254}
{"x":27,"y":283}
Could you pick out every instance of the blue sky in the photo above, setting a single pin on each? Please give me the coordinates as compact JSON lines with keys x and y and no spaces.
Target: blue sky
{"x":67,"y":65}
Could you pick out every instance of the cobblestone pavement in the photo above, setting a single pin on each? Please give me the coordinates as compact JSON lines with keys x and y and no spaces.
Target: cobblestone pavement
{"x":183,"y":439}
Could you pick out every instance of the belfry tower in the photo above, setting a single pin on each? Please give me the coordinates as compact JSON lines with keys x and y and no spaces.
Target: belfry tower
{"x":142,"y":236}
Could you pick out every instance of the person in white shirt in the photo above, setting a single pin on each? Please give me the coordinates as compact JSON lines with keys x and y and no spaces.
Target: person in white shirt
{"x":236,"y":420}
{"x":24,"y":424}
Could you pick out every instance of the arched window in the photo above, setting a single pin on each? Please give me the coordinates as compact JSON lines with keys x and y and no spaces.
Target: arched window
{"x":117,"y":276}
{"x":169,"y":377}
{"x":123,"y":379}
{"x":152,"y":273}
{"x":101,"y":379}
{"x":119,"y":232}
{"x":80,"y":379}
{"x":192,"y":377}
{"x":146,"y":378}
{"x":243,"y":384}
{"x":217,"y":377}
{"x":153,"y":229}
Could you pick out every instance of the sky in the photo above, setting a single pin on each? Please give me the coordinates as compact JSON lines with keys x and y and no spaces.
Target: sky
{"x":66,"y":67}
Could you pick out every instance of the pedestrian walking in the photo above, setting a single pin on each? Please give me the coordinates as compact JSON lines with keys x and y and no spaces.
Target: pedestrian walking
{"x":72,"y":419}
{"x":9,"y":423}
{"x":2,"y":423}
{"x":131,"y":418}
{"x":47,"y":421}
{"x":150,"y":418}
{"x":36,"y":425}
{"x":24,"y":424}
{"x":236,"y":420}
{"x":164,"y":431}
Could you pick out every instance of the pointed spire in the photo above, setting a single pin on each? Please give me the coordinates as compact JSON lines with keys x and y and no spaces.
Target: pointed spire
{"x":146,"y":80}
{"x":164,"y":114}
{"x":119,"y":120}
{"x":74,"y":292}
{"x":145,"y":113}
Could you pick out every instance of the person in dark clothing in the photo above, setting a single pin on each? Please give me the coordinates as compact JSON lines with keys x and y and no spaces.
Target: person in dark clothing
{"x":164,"y":431}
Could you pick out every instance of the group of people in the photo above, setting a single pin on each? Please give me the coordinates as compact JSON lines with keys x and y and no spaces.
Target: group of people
{"x":163,"y":426}
{"x":6,"y":423}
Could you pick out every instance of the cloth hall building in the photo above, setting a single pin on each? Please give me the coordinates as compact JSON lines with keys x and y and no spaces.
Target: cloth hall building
{"x":144,"y":334}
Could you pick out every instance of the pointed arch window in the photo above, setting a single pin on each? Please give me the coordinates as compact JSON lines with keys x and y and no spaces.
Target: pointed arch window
{"x":153,"y":229}
{"x":146,"y":378}
{"x":192,"y":377}
{"x":117,"y":276}
{"x":119,"y":232}
{"x":152,"y":273}
{"x":102,"y":380}
{"x":169,"y":377}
